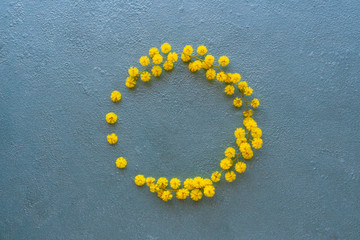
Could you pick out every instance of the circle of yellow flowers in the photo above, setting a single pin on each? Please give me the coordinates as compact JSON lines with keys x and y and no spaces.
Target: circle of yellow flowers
{"x":196,"y":187}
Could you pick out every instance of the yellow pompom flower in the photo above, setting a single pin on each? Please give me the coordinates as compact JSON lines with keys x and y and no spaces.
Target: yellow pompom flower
{"x":144,"y":61}
{"x":188,"y":50}
{"x":223,"y":61}
{"x":215,"y":177}
{"x":195,"y":66}
{"x":115,"y":96}
{"x":153,"y":51}
{"x":139,"y":180}
{"x":185,"y":57}
{"x":189,"y":184}
{"x":150,"y":181}
{"x":248,"y":154}
{"x":111,"y":118}
{"x":165,"y":48}
{"x":206,"y":182}
{"x":157,"y":59}
{"x":175,"y":183}
{"x":239,"y":133}
{"x":162,"y":182}
{"x":240,"y":141}
{"x":245,"y":147}
{"x":209,"y":59}
{"x":112,"y":138}
{"x":248,"y":91}
{"x":130,"y":82}
{"x":197,"y":182}
{"x":182,"y":194}
{"x":145,"y":76}
{"x":257,"y":143}
{"x":210,"y":74}
{"x":168,"y":66}
{"x":255,"y":103}
{"x":256,"y":132}
{"x":172,"y":57}
{"x":156,"y":71}
{"x":249,"y":123}
{"x":204,"y":65}
{"x":196,"y":194}
{"x":152,"y":187}
{"x":230,"y":152}
{"x":235,"y":77}
{"x":166,"y":196}
{"x":229,"y":90}
{"x":209,"y":191}
{"x":221,"y":76}
{"x":240,"y":167}
{"x":226,"y":163}
{"x":202,"y":50}
{"x":121,"y":162}
{"x":230,"y":176}
{"x":237,"y":102}
{"x":133,"y":72}
{"x":248,"y":113}
{"x":242,"y":85}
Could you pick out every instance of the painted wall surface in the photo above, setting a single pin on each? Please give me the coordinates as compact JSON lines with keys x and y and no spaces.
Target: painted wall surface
{"x":60,"y":60}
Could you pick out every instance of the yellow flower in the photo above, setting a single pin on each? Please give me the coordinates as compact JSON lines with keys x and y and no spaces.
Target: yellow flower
{"x":257,"y":143}
{"x":144,"y":61}
{"x":188,"y":50}
{"x":209,"y":191}
{"x":197,"y":183}
{"x":152,"y":187}
{"x":168,"y":66}
{"x":255,"y":103}
{"x":145,"y":76}
{"x":121,"y":162}
{"x":221,"y":76}
{"x":237,"y":102}
{"x":201,"y":50}
{"x":249,"y":123}
{"x":159,"y":192}
{"x":115,"y":96}
{"x":165,"y":48}
{"x":156,"y":71}
{"x":228,"y":79}
{"x":230,"y":176}
{"x":242,"y":85}
{"x":172,"y":57}
{"x":150,"y":181}
{"x":223,"y":61}
{"x":153,"y":51}
{"x":240,"y":141}
{"x":245,"y":147}
{"x":215,"y":177}
{"x":239,"y":133}
{"x":182,"y":194}
{"x":133,"y":71}
{"x":230,"y":152}
{"x":209,"y":59}
{"x":185,"y":57}
{"x":162,"y":182}
{"x":112,"y":138}
{"x":248,"y":113}
{"x":111,"y":118}
{"x":189,"y":184}
{"x":130,"y":82}
{"x":195,"y":66}
{"x":166,"y":195}
{"x":248,"y":154}
{"x":196,"y":194}
{"x":248,"y":91}
{"x":256,"y":132}
{"x":210,"y":74}
{"x":226,"y":163}
{"x":175,"y":183}
{"x":157,"y":59}
{"x":240,"y":167}
{"x":139,"y":180}
{"x":235,"y":77}
{"x":204,"y":65}
{"x":229,"y":90}
{"x":206,"y":182}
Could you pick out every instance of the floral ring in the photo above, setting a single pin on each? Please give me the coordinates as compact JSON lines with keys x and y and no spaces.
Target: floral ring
{"x":196,"y":187}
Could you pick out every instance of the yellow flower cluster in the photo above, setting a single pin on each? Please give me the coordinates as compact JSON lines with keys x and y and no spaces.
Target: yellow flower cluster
{"x":247,"y":138}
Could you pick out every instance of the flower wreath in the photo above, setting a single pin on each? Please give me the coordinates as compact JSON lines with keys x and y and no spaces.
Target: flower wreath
{"x":198,"y":186}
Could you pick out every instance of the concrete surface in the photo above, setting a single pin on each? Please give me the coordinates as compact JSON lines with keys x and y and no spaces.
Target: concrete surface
{"x":60,"y":60}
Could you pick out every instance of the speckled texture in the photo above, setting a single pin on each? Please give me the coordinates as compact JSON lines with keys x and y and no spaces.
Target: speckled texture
{"x":60,"y":60}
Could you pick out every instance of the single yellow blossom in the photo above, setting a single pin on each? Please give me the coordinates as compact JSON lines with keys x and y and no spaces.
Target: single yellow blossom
{"x":139,"y":180}
{"x":230,"y":176}
{"x":209,"y":191}
{"x":255,"y":103}
{"x":196,"y":194}
{"x":144,"y":61}
{"x":237,"y":102}
{"x":175,"y":183}
{"x":165,"y":48}
{"x":201,"y":50}
{"x":145,"y":76}
{"x":153,"y":51}
{"x":223,"y":61}
{"x":115,"y":96}
{"x":240,"y":167}
{"x":121,"y":162}
{"x":112,"y":138}
{"x":226,"y":163}
{"x":111,"y":118}
{"x":188,"y":50}
{"x":156,"y":71}
{"x":215,"y":177}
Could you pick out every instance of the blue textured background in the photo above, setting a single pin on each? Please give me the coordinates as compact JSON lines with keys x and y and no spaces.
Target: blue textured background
{"x":60,"y":60}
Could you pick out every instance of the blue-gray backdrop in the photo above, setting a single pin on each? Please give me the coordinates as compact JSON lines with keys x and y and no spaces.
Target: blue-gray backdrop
{"x":60,"y":60}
